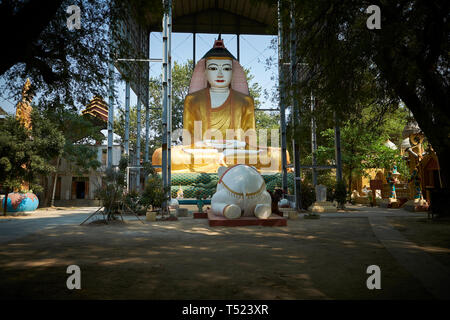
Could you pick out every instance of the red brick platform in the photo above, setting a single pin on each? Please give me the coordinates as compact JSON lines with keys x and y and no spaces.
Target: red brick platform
{"x":200,"y":215}
{"x":272,"y":221}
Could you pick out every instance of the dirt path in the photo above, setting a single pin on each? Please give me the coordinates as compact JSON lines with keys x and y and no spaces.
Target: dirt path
{"x":187,"y":259}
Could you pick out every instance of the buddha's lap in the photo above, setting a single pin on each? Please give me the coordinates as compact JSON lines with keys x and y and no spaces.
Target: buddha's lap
{"x":181,"y":160}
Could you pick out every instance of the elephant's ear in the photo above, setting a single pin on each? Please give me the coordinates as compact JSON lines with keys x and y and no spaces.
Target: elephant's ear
{"x":221,"y":171}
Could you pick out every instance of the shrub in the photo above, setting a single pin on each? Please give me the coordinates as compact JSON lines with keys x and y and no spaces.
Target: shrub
{"x":308,"y":195}
{"x":111,"y":193}
{"x":340,"y":194}
{"x":133,"y":202}
{"x":154,"y":194}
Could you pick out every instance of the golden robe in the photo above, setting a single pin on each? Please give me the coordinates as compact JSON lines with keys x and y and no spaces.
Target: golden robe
{"x":237,"y":113}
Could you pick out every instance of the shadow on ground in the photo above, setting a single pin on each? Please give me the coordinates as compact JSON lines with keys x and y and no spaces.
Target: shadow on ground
{"x":187,"y":259}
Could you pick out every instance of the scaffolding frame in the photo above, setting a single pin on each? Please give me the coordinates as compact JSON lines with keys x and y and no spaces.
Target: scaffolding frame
{"x":283,"y":58}
{"x":167,"y":102}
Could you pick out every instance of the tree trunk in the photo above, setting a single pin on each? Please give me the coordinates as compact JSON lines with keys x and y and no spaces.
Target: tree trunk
{"x":442,"y":148}
{"x":431,"y":112}
{"x":350,"y":182}
{"x":52,"y":202}
{"x":6,"y":202}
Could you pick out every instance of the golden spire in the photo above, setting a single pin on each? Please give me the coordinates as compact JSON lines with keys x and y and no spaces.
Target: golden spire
{"x":23,"y":108}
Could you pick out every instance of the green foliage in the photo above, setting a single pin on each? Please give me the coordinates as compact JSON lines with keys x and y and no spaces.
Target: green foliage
{"x":154,"y":194}
{"x":112,"y":190}
{"x":253,"y":87}
{"x":328,"y":179}
{"x":132,"y":202}
{"x":263,"y":119}
{"x":205,"y":186}
{"x":148,"y":169}
{"x":268,"y":121}
{"x":349,"y":67}
{"x":119,"y":126}
{"x":123,"y":163}
{"x":181,"y":77}
{"x":25,"y":154}
{"x":308,"y":195}
{"x":363,"y":143}
{"x":66,"y":65}
{"x":181,"y":74}
{"x":79,"y":132}
{"x":340,"y":194}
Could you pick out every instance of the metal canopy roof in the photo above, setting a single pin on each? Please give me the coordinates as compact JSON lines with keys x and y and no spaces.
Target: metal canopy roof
{"x":220,"y":16}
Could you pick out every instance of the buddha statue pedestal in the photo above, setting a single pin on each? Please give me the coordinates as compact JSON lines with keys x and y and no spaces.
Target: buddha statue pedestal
{"x":322,"y":206}
{"x":208,"y":160}
{"x":416,"y":205}
{"x":389,"y":203}
{"x":392,"y":180}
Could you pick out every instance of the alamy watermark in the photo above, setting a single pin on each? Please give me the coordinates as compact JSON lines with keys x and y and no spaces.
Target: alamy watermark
{"x":74,"y":280}
{"x":234,"y":147}
{"x":374,"y":20}
{"x":374,"y":281}
{"x":74,"y":21}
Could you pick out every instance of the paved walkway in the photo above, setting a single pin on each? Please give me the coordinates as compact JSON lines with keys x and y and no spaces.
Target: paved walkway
{"x":422,"y":266}
{"x":12,"y":228}
{"x":431,"y":274}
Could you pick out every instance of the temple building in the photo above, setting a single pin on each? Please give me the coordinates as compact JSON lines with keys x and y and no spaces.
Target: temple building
{"x":97,"y":108}
{"x":73,"y":188}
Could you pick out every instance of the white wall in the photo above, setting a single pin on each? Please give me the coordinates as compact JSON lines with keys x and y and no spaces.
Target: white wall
{"x":66,"y":187}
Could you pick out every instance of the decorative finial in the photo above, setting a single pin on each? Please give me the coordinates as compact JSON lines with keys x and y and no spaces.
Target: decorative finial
{"x":219,"y":50}
{"x":27,"y":91}
{"x":23,"y":107}
{"x":219,"y":43}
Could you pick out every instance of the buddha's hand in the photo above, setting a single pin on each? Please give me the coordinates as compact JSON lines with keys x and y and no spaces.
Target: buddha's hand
{"x":220,"y":144}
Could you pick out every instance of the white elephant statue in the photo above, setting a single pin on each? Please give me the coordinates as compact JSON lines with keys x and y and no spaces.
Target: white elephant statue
{"x":241,"y":191}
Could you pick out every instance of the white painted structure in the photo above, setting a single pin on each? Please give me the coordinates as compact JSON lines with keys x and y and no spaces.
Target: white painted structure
{"x":73,"y":188}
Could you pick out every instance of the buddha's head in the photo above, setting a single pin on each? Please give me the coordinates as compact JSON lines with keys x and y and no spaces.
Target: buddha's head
{"x":219,"y":72}
{"x":220,"y":69}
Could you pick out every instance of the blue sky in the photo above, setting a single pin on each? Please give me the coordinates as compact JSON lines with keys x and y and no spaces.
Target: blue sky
{"x":254,"y":50}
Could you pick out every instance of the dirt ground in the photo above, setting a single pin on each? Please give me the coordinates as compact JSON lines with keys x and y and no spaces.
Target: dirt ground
{"x":186,"y":259}
{"x":432,"y":235}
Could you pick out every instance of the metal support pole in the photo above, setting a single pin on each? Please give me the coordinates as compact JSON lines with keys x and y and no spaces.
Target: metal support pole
{"x":337,"y":144}
{"x":313,"y":142}
{"x":238,"y":46}
{"x":169,"y":120}
{"x":110,"y":114}
{"x":295,"y":110}
{"x":127,"y":119}
{"x":147,"y":130}
{"x":138,"y":140}
{"x":147,"y":110}
{"x":165,"y":98}
{"x":282,"y":107}
{"x":127,"y":128}
{"x":193,"y":50}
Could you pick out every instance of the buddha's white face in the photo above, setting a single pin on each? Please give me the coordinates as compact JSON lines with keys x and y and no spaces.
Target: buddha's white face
{"x":219,"y":72}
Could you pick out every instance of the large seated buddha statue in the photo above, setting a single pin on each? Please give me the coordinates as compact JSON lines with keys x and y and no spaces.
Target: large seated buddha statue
{"x":219,"y":120}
